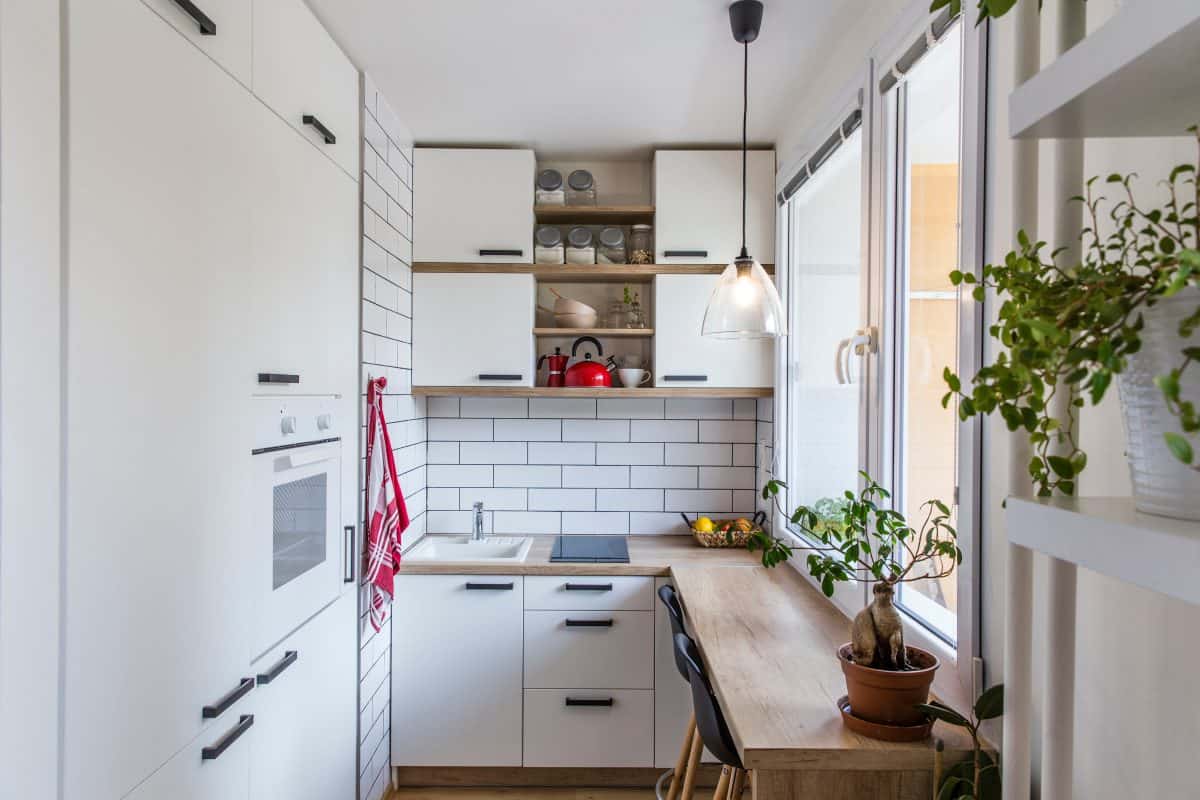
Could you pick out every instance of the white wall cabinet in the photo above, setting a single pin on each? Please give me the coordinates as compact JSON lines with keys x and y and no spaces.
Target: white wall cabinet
{"x":698,"y":206}
{"x":220,"y":28}
{"x":474,"y":205}
{"x":473,"y":330}
{"x":684,"y":358}
{"x":456,"y":670}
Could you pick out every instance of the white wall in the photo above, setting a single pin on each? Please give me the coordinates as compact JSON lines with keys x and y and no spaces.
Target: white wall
{"x":30,"y":397}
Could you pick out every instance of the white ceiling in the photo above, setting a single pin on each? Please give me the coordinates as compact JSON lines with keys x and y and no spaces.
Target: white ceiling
{"x":596,"y":77}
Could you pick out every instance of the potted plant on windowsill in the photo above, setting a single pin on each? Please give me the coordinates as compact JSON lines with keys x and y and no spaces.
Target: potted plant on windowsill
{"x":859,"y":539}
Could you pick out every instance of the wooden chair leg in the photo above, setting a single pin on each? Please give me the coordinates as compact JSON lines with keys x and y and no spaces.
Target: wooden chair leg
{"x":738,"y":784}
{"x":722,"y":790}
{"x":693,"y":767}
{"x":681,"y":763}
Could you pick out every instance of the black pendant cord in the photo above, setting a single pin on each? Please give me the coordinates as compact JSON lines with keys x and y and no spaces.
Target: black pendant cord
{"x":745,"y":120}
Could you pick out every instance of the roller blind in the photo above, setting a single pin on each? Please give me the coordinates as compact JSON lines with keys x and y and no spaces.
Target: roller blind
{"x":852,"y":123}
{"x":916,"y":51}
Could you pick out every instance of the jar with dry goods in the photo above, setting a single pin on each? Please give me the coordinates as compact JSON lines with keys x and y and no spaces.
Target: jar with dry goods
{"x":581,"y":188}
{"x":548,"y":245}
{"x":612,"y":246}
{"x":641,"y":244}
{"x":581,"y":247}
{"x":549,"y":190}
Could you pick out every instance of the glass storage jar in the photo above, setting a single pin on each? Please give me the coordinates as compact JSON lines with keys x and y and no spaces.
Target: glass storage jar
{"x":549,"y":190}
{"x":581,"y":248}
{"x":581,"y":189}
{"x":548,"y":245}
{"x":616,"y":315}
{"x":612,"y":246}
{"x":641,"y":244}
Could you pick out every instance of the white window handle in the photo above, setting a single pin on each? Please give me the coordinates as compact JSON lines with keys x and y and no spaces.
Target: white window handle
{"x":860,"y":344}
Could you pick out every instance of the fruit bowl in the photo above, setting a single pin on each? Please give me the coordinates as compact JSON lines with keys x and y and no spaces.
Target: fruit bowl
{"x":724,"y":532}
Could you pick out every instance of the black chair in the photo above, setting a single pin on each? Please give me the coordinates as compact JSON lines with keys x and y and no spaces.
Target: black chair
{"x":710,"y":722}
{"x":686,"y":769}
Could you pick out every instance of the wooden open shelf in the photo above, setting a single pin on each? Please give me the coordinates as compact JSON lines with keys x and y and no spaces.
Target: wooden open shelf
{"x":577,"y":273}
{"x":622,"y":332}
{"x":595,"y":215}
{"x":554,"y":391}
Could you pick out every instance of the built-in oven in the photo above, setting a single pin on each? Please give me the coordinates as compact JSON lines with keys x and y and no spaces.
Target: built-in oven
{"x":302,"y":553}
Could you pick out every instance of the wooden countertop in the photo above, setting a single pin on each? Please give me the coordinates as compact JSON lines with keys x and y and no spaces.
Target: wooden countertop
{"x":768,"y":639}
{"x":648,"y":555}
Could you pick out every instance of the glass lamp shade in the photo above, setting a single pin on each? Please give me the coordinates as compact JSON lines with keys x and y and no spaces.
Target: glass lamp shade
{"x":745,"y":304}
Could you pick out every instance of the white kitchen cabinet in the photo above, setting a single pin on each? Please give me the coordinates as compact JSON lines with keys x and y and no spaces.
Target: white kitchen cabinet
{"x":588,"y":728}
{"x":698,"y":206}
{"x":456,"y":670}
{"x":584,"y":593}
{"x":216,"y":766}
{"x":682,"y":357}
{"x":594,"y":649}
{"x":301,"y":73}
{"x":220,"y":28}
{"x":474,"y":205}
{"x":304,"y":710}
{"x":672,"y":692}
{"x":473,"y":330}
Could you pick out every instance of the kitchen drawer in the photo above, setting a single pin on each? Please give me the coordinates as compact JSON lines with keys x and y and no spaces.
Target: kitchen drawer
{"x":200,"y":772}
{"x":601,"y":592}
{"x":605,"y":649}
{"x":229,"y":22}
{"x":618,"y":733}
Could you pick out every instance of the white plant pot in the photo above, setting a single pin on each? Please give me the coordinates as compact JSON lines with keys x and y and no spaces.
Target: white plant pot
{"x":1161,"y":483}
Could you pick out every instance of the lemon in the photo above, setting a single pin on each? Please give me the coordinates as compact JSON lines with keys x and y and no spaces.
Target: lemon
{"x":704,"y":525}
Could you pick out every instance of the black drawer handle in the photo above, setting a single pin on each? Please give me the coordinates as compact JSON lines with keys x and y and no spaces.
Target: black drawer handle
{"x":685,"y":254}
{"x":500,"y":252}
{"x":588,"y":587}
{"x":590,"y":701}
{"x":489,"y":587}
{"x":326,"y":134}
{"x":222,"y":705}
{"x":691,"y":378}
{"x":213,"y":752}
{"x":589,"y":623}
{"x":495,"y":376}
{"x":289,"y":657}
{"x":207,"y":26}
{"x":349,"y":575}
{"x":277,"y":377}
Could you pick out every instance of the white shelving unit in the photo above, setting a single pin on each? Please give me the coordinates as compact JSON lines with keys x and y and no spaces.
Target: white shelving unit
{"x":1134,"y":76}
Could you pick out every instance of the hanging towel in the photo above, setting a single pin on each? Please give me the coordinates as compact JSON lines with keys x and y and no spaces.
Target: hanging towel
{"x":387,"y":516}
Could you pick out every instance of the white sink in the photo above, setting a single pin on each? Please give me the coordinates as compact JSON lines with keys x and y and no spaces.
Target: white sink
{"x":512,"y":549}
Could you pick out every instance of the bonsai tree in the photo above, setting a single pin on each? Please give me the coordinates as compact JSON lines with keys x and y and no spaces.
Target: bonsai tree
{"x":859,"y":538}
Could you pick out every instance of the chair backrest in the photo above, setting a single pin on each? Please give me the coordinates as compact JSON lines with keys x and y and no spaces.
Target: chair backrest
{"x":670,"y":599}
{"x":710,"y":722}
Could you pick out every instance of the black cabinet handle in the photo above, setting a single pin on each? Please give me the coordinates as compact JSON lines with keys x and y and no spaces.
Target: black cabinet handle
{"x":493,"y":376}
{"x":221,"y":706}
{"x":590,"y":701}
{"x":691,"y":378}
{"x":326,"y":134}
{"x":349,"y":575}
{"x":685,"y":254}
{"x":588,"y":587}
{"x":277,"y":377}
{"x":207,"y":26}
{"x":289,"y":657}
{"x":589,"y":623}
{"x":489,"y":587}
{"x":213,"y":752}
{"x":500,"y":252}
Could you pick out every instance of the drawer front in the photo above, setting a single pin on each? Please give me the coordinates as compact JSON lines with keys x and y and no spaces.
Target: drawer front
{"x":618,"y":731}
{"x":221,"y":28}
{"x":604,"y":649}
{"x":582,"y":593}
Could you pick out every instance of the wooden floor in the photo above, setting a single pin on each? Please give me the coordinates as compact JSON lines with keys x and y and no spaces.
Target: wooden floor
{"x":526,"y":793}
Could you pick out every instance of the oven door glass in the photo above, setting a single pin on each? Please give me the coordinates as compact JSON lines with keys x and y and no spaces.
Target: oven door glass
{"x":299,"y":527}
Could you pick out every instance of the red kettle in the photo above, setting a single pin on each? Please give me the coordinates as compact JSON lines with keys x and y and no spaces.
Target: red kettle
{"x":587,"y":372}
{"x":556,"y":366}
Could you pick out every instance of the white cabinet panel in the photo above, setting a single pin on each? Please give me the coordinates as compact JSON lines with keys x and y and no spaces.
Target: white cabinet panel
{"x":456,"y":670}
{"x":301,"y":73}
{"x":194,"y":775}
{"x":473,"y":330}
{"x":698,"y":205}
{"x":227,"y":43}
{"x":672,"y":693}
{"x":608,"y":592}
{"x":596,"y":649}
{"x":682,"y":357}
{"x":617,"y":732}
{"x":472,"y":202}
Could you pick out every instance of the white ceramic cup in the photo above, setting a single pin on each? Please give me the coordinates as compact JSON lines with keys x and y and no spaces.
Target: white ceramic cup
{"x":633,"y":377}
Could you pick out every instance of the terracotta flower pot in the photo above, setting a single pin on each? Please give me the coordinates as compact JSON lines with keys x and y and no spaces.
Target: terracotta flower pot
{"x":885,"y":696}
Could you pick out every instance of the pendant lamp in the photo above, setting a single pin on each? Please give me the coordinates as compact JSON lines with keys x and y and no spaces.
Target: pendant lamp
{"x":745,"y":304}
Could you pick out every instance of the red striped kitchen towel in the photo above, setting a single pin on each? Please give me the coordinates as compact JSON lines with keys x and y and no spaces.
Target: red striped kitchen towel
{"x":386,"y":515}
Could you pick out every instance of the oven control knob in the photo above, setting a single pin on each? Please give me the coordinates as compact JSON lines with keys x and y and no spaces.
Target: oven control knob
{"x":288,"y":425}
{"x":324,"y":422}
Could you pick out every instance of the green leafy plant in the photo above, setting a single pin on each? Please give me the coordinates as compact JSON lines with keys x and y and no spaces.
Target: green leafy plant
{"x":1071,"y":329}
{"x":987,"y":8}
{"x":979,"y":778}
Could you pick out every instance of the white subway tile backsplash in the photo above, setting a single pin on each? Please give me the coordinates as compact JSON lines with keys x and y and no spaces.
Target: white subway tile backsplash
{"x":718,"y":455}
{"x":528,"y":430}
{"x":727,"y":477}
{"x":492,"y":453}
{"x":459,"y":475}
{"x":745,"y":408}
{"x":699,"y":408}
{"x":439,"y":499}
{"x":667,"y":430}
{"x":563,"y":453}
{"x":562,"y":407}
{"x":655,"y":523}
{"x":527,"y":522}
{"x":443,"y":406}
{"x":745,"y":502}
{"x":455,"y":521}
{"x":493,"y":499}
{"x":744,"y":455}
{"x":597,"y":477}
{"x":585,"y":522}
{"x":732,"y":431}
{"x":766,"y":409}
{"x":629,"y":453}
{"x":531,"y":476}
{"x":494,"y":407}
{"x":462,"y":430}
{"x":630,"y":408}
{"x":629,"y":499}
{"x":664,"y":477}
{"x":562,"y":499}
{"x":699,"y":500}
{"x":598,"y":430}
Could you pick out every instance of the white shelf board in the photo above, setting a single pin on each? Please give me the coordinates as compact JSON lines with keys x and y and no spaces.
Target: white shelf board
{"x":1134,"y":76}
{"x":1107,"y":535}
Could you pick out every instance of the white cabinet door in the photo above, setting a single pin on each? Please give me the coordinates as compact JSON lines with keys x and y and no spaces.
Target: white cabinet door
{"x":682,"y":357}
{"x":672,"y":692}
{"x":473,"y":330}
{"x":456,"y":671}
{"x":158,"y":461}
{"x":221,"y":28}
{"x":304,"y":711}
{"x":216,"y":766}
{"x":589,"y":728}
{"x":474,"y":205}
{"x":301,"y":73}
{"x":698,"y":206}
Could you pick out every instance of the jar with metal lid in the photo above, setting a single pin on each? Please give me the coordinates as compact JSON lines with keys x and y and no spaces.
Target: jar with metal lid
{"x":548,"y":245}
{"x":549,"y":190}
{"x":612,"y":246}
{"x":641,"y":244}
{"x":581,"y":189}
{"x":581,"y":248}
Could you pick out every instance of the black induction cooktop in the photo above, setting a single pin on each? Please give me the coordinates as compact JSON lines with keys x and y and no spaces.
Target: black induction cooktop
{"x":591,"y":549}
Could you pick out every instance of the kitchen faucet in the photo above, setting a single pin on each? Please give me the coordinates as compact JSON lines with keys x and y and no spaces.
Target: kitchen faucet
{"x":477,"y":523}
